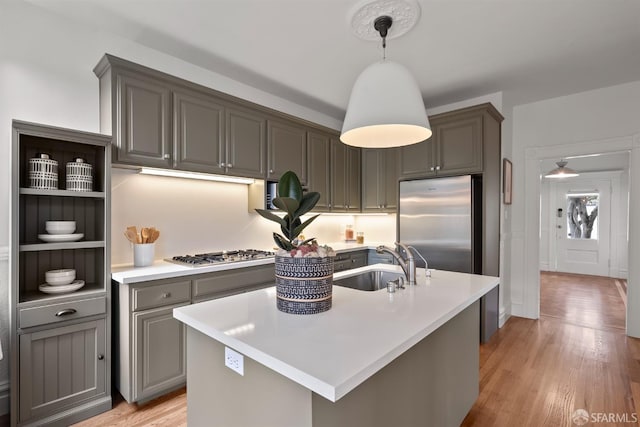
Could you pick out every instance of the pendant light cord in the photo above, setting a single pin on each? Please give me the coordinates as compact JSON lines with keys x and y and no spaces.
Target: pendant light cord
{"x":382,"y":25}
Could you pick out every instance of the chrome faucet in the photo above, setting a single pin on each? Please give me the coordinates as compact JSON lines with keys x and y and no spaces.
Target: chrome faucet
{"x":426,"y":264}
{"x":408,"y":265}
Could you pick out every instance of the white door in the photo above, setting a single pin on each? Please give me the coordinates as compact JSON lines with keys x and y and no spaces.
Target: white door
{"x":583,"y":216}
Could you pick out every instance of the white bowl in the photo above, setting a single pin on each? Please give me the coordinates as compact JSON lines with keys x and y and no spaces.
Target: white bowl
{"x":60,"y":277}
{"x":60,"y":227}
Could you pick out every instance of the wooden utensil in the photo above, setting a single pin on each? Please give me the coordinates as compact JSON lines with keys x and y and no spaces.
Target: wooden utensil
{"x":145,"y":235}
{"x":154,"y":236}
{"x":131,"y":235}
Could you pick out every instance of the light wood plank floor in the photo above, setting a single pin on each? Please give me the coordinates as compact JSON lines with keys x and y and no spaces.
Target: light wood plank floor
{"x":532,"y":372}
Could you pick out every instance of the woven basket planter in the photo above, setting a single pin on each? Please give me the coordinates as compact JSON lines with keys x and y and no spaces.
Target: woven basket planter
{"x":304,"y":285}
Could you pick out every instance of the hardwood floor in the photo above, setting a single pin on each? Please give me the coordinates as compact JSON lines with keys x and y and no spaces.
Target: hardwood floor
{"x":576,"y":356}
{"x":532,"y":372}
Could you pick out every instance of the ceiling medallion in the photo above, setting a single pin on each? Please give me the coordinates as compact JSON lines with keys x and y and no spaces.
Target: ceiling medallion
{"x":404,"y":13}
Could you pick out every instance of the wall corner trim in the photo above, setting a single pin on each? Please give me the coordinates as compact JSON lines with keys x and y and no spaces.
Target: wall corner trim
{"x":4,"y":255}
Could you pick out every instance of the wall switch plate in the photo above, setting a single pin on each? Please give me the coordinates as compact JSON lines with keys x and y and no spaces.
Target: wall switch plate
{"x":234,"y":360}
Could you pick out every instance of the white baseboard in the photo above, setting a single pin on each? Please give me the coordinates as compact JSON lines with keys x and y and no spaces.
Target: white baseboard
{"x":502,"y":317}
{"x":519,"y":310}
{"x":544,"y":266}
{"x":4,"y":397}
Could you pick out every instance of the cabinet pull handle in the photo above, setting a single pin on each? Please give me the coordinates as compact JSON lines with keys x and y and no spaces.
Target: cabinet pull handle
{"x":101,"y":357}
{"x":229,"y":165}
{"x":166,"y":295}
{"x":166,"y":156}
{"x":437,"y":168}
{"x":66,"y":312}
{"x":270,"y":170}
{"x":432,"y":168}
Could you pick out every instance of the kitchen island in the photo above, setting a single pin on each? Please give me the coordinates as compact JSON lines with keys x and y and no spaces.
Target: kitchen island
{"x":374,"y":359}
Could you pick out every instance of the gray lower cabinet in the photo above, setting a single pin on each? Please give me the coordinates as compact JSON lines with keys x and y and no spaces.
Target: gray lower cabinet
{"x":348,"y":260}
{"x":375,"y":258}
{"x":150,"y":346}
{"x":61,"y":368}
{"x":380,"y":180}
{"x":159,"y":359}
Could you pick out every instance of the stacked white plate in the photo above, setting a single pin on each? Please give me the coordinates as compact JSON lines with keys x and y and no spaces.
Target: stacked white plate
{"x":60,"y":281}
{"x":60,"y":231}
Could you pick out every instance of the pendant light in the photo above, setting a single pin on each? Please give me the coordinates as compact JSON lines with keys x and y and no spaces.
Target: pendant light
{"x":562,"y":171}
{"x":386,"y":107}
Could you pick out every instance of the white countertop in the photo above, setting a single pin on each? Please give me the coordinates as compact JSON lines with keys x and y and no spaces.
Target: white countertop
{"x":126,"y":274}
{"x":333,"y":352}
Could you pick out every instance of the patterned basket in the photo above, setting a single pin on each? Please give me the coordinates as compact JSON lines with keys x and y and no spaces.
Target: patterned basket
{"x":304,"y":285}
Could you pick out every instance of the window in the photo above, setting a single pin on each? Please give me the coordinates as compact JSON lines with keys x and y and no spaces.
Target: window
{"x":582,"y":216}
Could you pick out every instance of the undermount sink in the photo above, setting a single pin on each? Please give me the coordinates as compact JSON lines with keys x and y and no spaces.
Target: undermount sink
{"x":369,"y":280}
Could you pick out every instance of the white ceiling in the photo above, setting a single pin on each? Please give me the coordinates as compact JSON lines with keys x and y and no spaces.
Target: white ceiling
{"x":304,"y":51}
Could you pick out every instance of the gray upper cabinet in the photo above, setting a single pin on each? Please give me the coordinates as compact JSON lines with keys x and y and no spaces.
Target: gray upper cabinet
{"x":456,"y":147}
{"x":380,"y":180}
{"x":142,"y":125}
{"x":319,"y":150}
{"x":245,"y":142}
{"x":345,"y":177}
{"x":198,"y":124}
{"x":286,"y":149}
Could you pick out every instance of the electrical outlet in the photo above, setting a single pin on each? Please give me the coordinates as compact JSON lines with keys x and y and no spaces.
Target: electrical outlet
{"x":234,"y":360}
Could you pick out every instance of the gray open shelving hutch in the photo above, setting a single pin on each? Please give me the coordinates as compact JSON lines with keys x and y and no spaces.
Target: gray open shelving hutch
{"x":60,"y":343}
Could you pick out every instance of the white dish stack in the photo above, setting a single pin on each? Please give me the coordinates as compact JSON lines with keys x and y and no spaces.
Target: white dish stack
{"x":79,"y":175}
{"x":43,"y":172}
{"x":60,"y":281}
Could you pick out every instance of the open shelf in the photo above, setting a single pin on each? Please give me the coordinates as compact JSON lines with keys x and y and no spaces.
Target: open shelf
{"x":61,"y":245}
{"x":62,"y":193}
{"x":86,"y":290}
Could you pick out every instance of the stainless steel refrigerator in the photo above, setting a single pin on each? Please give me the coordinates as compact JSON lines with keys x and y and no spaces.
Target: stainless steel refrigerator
{"x":442,"y":219}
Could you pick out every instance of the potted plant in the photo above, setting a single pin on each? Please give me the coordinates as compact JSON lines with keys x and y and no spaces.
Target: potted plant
{"x":304,"y":269}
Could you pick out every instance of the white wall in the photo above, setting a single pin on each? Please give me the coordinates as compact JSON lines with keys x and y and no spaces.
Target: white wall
{"x":586,"y":122}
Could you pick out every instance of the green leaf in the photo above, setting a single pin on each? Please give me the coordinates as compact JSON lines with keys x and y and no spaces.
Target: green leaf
{"x":299,"y":228}
{"x":289,"y":186}
{"x":308,"y":202}
{"x":271,"y":216}
{"x":289,"y":229}
{"x":287,"y":204}
{"x":282,"y":242}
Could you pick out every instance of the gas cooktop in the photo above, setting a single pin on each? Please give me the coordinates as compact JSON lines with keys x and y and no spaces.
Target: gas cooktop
{"x":222,"y":257}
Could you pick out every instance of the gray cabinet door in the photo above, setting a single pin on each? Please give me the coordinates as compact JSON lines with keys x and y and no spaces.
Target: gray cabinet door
{"x":198,"y":133}
{"x":354,"y":176}
{"x":338,"y":175}
{"x":380,"y":180}
{"x":159,"y":360}
{"x":319,"y":150}
{"x":245,"y":143}
{"x":286,"y":149}
{"x":345,"y":177}
{"x":61,"y":367}
{"x":371,"y":182}
{"x":143,"y":122}
{"x":459,"y":141}
{"x":418,"y":160}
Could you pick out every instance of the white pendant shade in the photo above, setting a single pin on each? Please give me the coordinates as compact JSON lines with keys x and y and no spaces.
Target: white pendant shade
{"x":385,"y":109}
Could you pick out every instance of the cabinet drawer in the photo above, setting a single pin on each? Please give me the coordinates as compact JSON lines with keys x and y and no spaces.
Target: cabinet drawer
{"x":234,"y":281}
{"x":162,"y":294}
{"x":62,"y":311}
